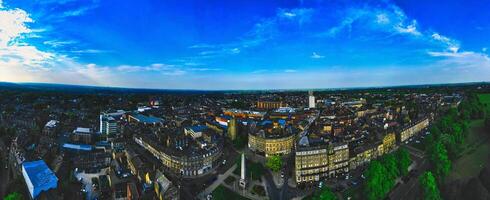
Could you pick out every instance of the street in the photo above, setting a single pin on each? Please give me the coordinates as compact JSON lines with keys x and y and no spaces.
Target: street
{"x":410,"y":190}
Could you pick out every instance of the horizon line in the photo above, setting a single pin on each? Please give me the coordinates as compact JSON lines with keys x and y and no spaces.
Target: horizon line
{"x":272,"y":89}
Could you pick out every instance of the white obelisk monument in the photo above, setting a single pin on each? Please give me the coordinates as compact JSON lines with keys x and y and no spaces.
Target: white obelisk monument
{"x":243,"y":182}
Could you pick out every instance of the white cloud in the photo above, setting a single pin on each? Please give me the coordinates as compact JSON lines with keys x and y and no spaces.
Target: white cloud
{"x":268,"y":28}
{"x":290,"y":70}
{"x":22,"y":62}
{"x":80,"y":11}
{"x":201,"y":46}
{"x":235,"y":50}
{"x":13,"y":52}
{"x":410,"y":28}
{"x":13,"y":25}
{"x":289,"y":14}
{"x":450,"y":44}
{"x":316,"y":56}
{"x":390,"y":19}
{"x":88,"y":51}
{"x":157,"y":68}
{"x":220,"y":52}
{"x":382,"y":19}
{"x":57,"y":43}
{"x":301,"y":15}
{"x":473,"y":66}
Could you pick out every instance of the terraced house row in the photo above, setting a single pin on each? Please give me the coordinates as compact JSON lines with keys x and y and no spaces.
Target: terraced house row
{"x":317,"y":158}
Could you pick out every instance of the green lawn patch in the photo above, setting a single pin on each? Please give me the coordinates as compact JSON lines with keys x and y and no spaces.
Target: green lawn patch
{"x":259,"y":190}
{"x":475,"y":153}
{"x":485,"y":100}
{"x":230,"y":180}
{"x":253,"y":170}
{"x":223,"y":193}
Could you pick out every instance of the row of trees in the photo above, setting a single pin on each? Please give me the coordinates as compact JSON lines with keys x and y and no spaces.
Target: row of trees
{"x":381,"y":174}
{"x":446,"y":142}
{"x":324,"y":194}
{"x":448,"y":134}
{"x":241,"y":140}
{"x":429,"y":186}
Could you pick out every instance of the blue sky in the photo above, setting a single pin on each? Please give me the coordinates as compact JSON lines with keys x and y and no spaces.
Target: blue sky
{"x":244,"y":44}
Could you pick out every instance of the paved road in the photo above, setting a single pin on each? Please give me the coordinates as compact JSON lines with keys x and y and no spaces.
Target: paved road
{"x":411,"y":189}
{"x":271,"y":187}
{"x":284,"y":191}
{"x":87,"y":182}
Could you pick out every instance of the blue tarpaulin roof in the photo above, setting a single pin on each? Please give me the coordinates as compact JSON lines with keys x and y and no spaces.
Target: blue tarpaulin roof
{"x":38,"y":177}
{"x":147,"y":119}
{"x":82,"y":147}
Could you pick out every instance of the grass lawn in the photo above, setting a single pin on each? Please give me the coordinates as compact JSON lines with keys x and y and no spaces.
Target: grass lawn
{"x":223,"y":193}
{"x":476,"y":152}
{"x":230,"y":180}
{"x":485,"y":98}
{"x":253,"y":170}
{"x":474,"y":135}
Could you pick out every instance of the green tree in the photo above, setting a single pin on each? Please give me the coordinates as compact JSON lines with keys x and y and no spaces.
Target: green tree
{"x":429,"y":186}
{"x":440,"y":159}
{"x":377,"y":183}
{"x":404,"y":161}
{"x":274,"y":163}
{"x":487,"y":121}
{"x":325,"y":194}
{"x":435,"y":131}
{"x":458,"y":132}
{"x":391,"y":165}
{"x":241,"y":141}
{"x":14,"y":196}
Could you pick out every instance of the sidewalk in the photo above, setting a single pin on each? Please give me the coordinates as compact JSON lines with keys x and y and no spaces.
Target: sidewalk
{"x":292,"y":182}
{"x":247,"y":193}
{"x":221,"y":178}
{"x":278,"y":181}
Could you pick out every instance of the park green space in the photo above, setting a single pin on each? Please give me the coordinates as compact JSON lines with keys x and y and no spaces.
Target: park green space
{"x":476,"y":150}
{"x":223,"y":193}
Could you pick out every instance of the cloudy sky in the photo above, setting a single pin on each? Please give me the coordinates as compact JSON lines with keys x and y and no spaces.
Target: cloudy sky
{"x":249,"y":44}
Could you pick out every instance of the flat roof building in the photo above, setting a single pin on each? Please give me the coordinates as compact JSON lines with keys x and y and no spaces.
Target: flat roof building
{"x":144,"y":119}
{"x":38,"y":177}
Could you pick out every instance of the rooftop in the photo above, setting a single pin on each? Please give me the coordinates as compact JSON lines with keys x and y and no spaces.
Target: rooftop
{"x":146,"y":119}
{"x":38,"y":177}
{"x":52,"y":124}
{"x":83,"y":130}
{"x":82,"y":147}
